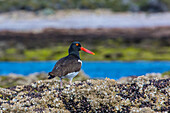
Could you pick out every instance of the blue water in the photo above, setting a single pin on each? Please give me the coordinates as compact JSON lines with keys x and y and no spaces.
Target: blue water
{"x":114,"y":70}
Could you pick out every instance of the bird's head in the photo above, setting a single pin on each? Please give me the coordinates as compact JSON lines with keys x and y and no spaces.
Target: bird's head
{"x":75,"y":47}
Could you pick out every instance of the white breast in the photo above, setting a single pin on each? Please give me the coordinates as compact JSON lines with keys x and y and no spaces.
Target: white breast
{"x":80,"y":61}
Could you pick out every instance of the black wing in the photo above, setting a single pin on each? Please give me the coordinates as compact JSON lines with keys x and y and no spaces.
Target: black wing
{"x":64,"y":66}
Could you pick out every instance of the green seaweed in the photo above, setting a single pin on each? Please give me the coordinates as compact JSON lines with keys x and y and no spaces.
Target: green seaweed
{"x":123,"y":53}
{"x":11,"y":51}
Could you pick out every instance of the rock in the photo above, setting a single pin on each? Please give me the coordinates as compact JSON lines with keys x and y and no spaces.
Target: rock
{"x":16,"y":79}
{"x":142,"y":110}
{"x":142,"y":94}
{"x":147,"y":75}
{"x":5,"y":95}
{"x":126,"y":79}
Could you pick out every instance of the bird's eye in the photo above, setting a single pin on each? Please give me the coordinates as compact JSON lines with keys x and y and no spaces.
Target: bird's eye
{"x":77,"y":44}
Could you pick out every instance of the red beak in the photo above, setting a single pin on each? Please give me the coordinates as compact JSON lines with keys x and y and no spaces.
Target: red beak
{"x":86,"y":50}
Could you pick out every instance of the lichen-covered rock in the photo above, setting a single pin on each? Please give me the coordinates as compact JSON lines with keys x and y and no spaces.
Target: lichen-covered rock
{"x":142,"y":94}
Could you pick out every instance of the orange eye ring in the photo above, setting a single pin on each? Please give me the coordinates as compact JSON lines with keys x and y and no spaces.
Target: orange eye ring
{"x":77,"y":44}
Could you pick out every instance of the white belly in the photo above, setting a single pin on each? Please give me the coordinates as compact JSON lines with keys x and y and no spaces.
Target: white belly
{"x":71,"y":75}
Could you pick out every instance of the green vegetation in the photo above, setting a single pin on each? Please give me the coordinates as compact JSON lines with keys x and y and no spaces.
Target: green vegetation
{"x":116,"y":5}
{"x":11,"y":51}
{"x":123,"y":53}
{"x":7,"y":81}
{"x":45,"y":53}
{"x":166,"y":73}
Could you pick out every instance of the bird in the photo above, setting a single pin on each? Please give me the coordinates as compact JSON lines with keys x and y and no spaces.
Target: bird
{"x":69,"y":66}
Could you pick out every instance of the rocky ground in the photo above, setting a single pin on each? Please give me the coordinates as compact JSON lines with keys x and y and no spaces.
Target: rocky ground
{"x":149,"y":93}
{"x":16,"y":79}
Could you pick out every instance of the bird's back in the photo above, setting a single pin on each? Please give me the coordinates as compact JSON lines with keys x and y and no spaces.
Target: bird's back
{"x":65,"y":65}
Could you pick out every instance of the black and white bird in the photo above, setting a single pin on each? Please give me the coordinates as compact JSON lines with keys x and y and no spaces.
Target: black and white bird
{"x":69,"y":66}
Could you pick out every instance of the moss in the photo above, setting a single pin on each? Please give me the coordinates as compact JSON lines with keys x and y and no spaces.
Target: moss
{"x":3,"y":78}
{"x":11,"y":51}
{"x":166,"y":73}
{"x":7,"y":81}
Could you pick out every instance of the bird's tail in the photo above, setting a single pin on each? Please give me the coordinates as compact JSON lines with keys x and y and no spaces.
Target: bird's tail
{"x":51,"y":75}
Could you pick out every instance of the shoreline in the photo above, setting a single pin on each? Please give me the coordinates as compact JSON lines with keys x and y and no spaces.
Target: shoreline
{"x":24,"y":21}
{"x":121,"y":44}
{"x":14,"y":79}
{"x":125,"y":44}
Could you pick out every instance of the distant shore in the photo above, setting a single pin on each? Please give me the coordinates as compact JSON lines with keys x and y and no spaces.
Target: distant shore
{"x":124,"y":44}
{"x":80,"y":19}
{"x":112,"y":36}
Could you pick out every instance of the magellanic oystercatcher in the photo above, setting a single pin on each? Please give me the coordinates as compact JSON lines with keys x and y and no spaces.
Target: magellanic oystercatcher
{"x":69,"y":66}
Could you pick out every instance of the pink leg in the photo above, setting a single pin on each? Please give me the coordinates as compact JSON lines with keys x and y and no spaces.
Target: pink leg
{"x":61,"y":83}
{"x":70,"y":81}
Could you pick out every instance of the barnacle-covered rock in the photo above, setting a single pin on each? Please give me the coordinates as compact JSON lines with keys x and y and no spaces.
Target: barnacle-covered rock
{"x":142,"y":110}
{"x":17,"y":79}
{"x":141,"y":94}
